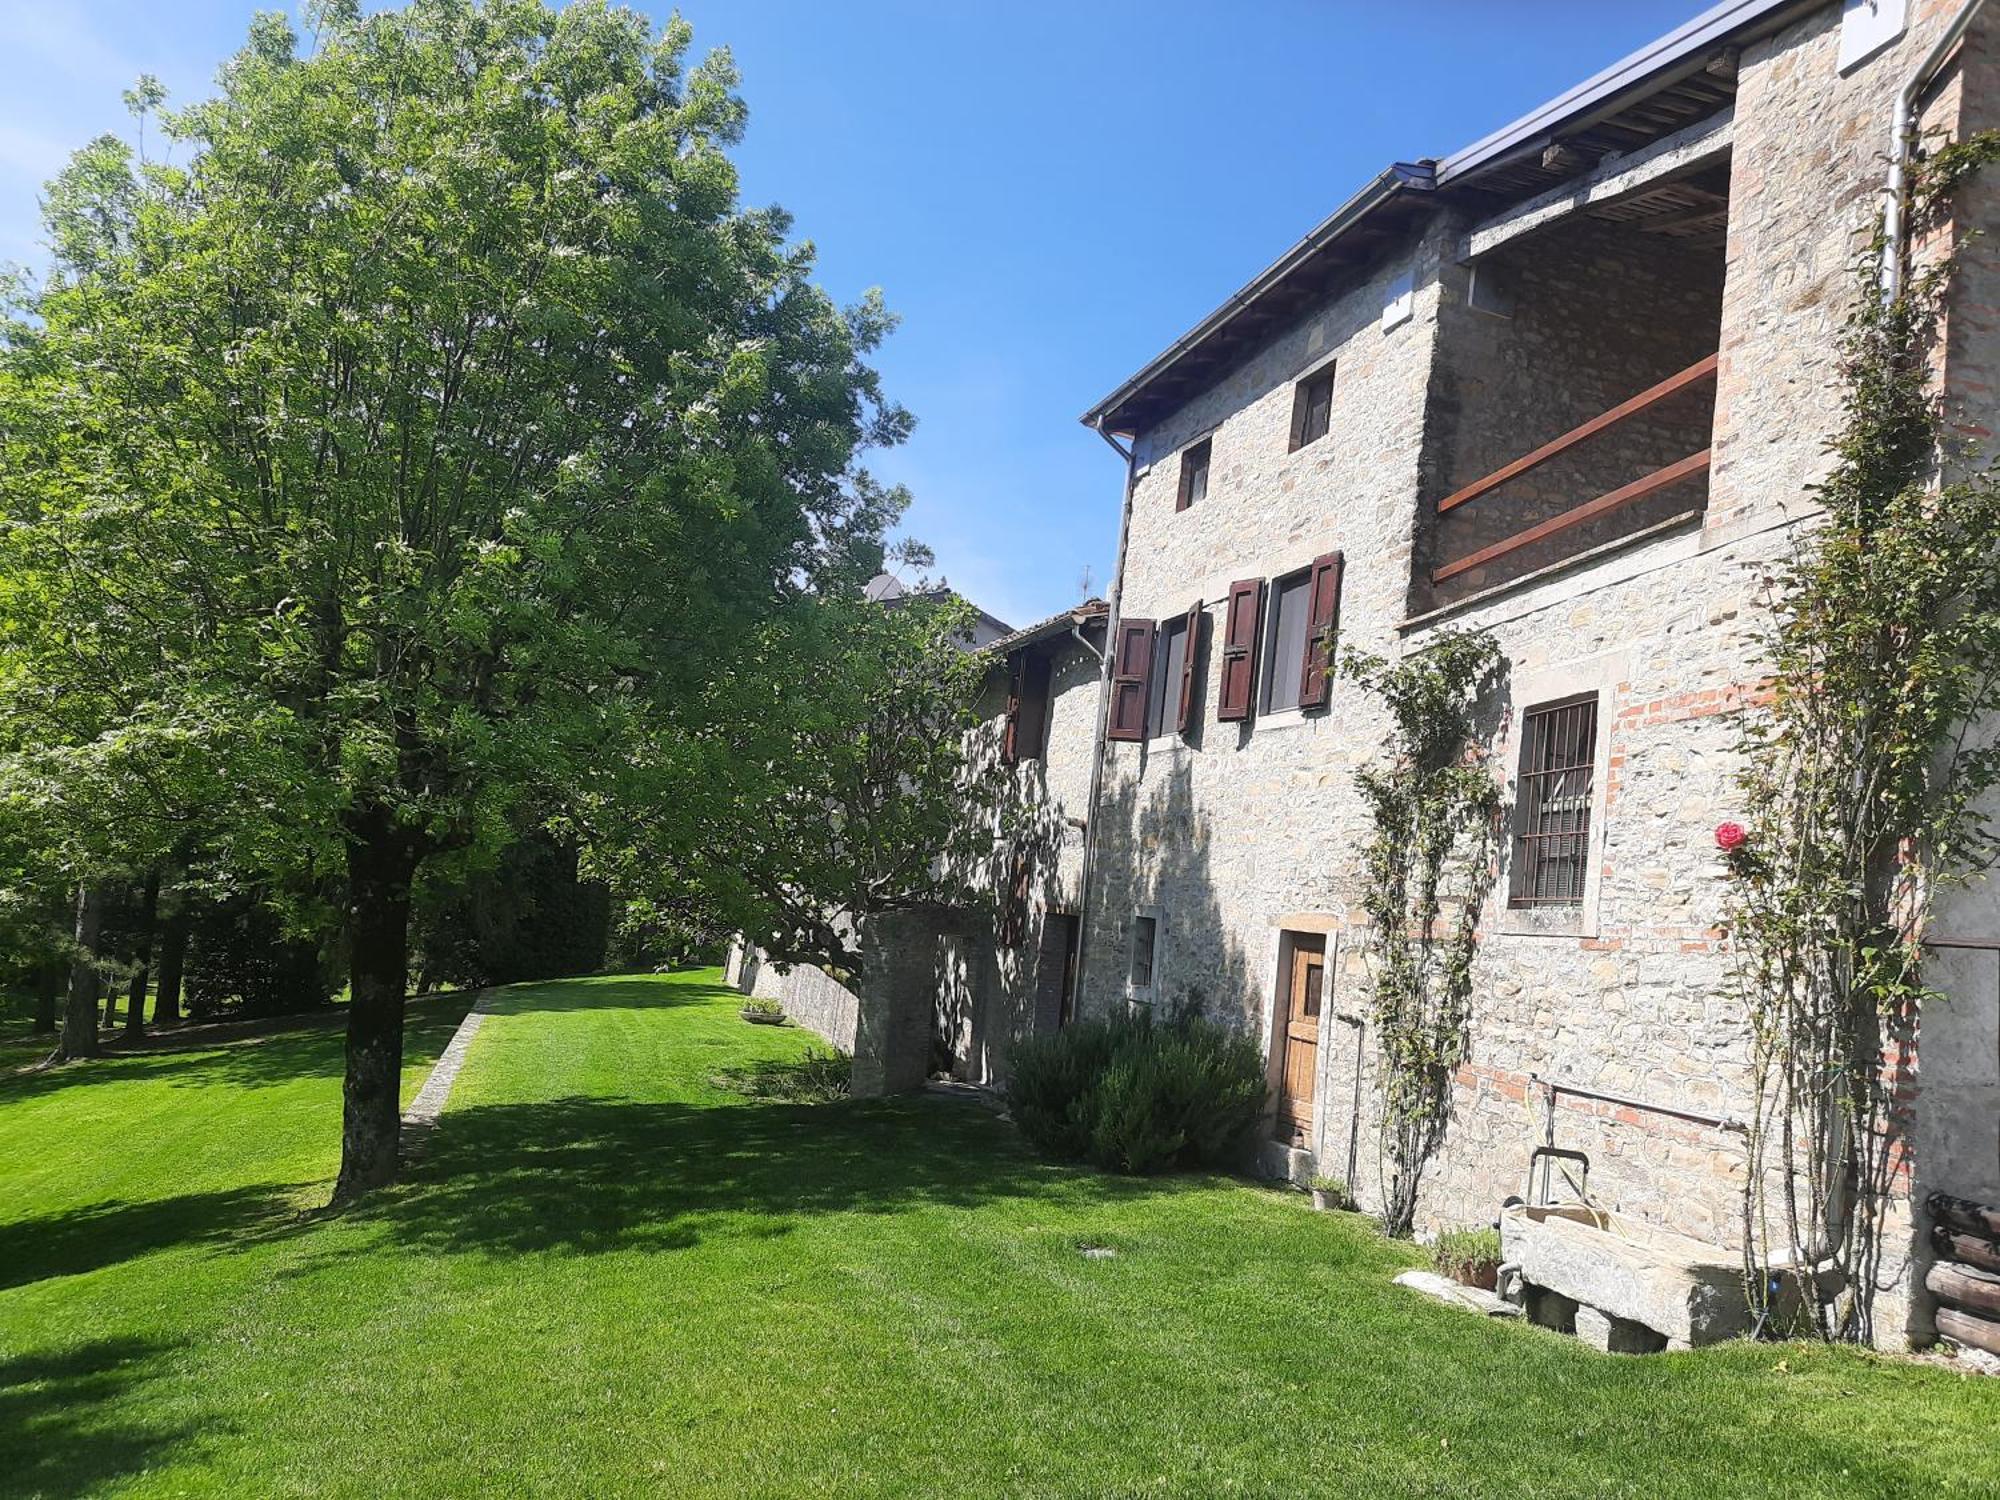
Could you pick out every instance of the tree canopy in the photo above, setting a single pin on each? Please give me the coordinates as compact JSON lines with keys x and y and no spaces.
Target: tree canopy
{"x":427,"y":427}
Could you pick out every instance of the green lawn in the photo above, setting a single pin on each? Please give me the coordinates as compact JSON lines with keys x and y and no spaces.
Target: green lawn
{"x":607,"y":1277}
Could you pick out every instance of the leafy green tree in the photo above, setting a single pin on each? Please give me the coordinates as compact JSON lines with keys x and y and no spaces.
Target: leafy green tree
{"x":424,"y":436}
{"x":840,"y":771}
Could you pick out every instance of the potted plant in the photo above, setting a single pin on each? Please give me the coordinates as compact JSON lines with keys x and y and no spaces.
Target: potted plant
{"x":1329,"y":1193}
{"x":763,"y":1012}
{"x":1471,"y":1256}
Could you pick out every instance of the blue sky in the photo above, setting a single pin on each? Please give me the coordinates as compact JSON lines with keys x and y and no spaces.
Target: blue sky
{"x":1048,"y":193}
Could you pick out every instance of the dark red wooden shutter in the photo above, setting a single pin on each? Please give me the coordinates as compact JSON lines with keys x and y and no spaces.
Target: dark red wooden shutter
{"x":1010,"y":740}
{"x":1131,"y":664}
{"x":1190,"y":654}
{"x":1239,"y":648}
{"x":1014,"y":901}
{"x":1321,"y":623}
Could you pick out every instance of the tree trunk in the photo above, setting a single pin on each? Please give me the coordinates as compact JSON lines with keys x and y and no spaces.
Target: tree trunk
{"x":173,"y":957}
{"x":149,"y":916}
{"x":48,"y":994}
{"x":380,"y":861}
{"x":79,"y":1033}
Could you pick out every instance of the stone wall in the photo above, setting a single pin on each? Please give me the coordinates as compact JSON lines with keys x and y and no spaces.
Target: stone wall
{"x":1237,"y":833}
{"x":812,"y":998}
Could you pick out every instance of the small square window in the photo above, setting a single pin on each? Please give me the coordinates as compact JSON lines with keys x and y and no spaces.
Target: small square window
{"x":1552,"y":805}
{"x":1194,"y":474}
{"x":1145,"y":933}
{"x":1312,"y":408}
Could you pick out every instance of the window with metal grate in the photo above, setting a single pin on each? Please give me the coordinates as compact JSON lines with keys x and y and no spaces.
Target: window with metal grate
{"x":1552,"y":817}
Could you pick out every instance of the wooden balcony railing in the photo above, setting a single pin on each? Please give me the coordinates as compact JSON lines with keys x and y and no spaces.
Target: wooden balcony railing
{"x":1628,"y":494}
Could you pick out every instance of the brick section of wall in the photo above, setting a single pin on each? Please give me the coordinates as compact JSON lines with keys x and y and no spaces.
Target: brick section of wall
{"x":892,"y":1038}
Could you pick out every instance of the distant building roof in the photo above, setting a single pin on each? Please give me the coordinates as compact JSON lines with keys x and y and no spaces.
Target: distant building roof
{"x":1089,"y":612}
{"x":886,"y":588}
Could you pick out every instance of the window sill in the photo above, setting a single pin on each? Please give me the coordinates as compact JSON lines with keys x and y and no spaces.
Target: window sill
{"x":1283,"y":718}
{"x":1546,"y":921}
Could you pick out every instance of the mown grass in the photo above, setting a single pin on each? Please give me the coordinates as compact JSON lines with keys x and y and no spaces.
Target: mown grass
{"x":606,"y":1275}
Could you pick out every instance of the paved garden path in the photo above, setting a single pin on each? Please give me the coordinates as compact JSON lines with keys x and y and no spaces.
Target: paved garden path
{"x":436,"y":1092}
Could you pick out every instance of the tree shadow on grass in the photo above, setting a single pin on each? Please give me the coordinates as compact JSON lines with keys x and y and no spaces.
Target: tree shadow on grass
{"x":588,"y":1175}
{"x":105,"y":1234}
{"x":53,"y":1440}
{"x":256,"y":1055}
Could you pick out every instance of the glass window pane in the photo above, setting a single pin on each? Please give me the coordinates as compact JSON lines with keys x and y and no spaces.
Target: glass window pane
{"x":1165,"y":694}
{"x":1290,"y":611}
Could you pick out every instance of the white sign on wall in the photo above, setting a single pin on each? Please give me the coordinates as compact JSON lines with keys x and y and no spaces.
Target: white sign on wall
{"x":1867,"y":26}
{"x":1399,"y":302}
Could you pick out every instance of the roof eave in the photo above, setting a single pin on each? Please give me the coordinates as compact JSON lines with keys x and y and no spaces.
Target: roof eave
{"x":1398,"y":178}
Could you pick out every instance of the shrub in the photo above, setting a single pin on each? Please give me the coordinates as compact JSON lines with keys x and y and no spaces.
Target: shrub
{"x":241,"y":961}
{"x":762,"y":1010}
{"x":530,"y":916}
{"x":1468,"y":1255}
{"x":1138,"y":1097}
{"x":1050,"y":1082}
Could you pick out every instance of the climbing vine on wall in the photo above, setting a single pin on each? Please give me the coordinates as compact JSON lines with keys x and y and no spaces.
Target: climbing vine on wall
{"x":1429,"y":866}
{"x":1862,"y":786}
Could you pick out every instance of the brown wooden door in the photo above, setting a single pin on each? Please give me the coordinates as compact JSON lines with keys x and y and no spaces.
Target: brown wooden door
{"x":1298,"y":1044}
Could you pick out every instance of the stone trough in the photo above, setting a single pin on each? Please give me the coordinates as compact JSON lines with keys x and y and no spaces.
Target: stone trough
{"x":1624,"y":1286}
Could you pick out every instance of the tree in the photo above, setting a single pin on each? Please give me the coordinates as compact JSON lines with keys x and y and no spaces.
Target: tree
{"x":420,"y":442}
{"x":837,"y":775}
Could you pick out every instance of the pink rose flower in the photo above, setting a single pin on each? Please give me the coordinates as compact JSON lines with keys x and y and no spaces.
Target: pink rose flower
{"x":1730,"y":836}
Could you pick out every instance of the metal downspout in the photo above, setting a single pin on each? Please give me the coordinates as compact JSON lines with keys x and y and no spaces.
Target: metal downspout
{"x":1105,"y":659}
{"x":1902,"y":145}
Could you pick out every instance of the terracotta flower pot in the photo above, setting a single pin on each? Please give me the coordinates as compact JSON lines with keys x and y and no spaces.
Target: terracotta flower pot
{"x":1486,"y":1277}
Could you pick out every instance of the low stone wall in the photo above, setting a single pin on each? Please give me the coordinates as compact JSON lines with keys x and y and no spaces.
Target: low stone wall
{"x":812,"y":998}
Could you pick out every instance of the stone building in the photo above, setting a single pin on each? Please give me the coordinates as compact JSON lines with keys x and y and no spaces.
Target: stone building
{"x":1572,"y":386}
{"x":951,"y":990}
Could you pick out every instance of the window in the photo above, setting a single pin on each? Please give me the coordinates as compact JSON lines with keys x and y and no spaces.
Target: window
{"x":1291,"y":609}
{"x":1312,"y":408}
{"x":1169,"y":670}
{"x":1194,"y":474}
{"x":1552,"y":839}
{"x":1027,"y":729}
{"x":1145,"y":933}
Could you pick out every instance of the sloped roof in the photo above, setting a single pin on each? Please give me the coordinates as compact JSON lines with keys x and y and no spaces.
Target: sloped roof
{"x":1090,"y":611}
